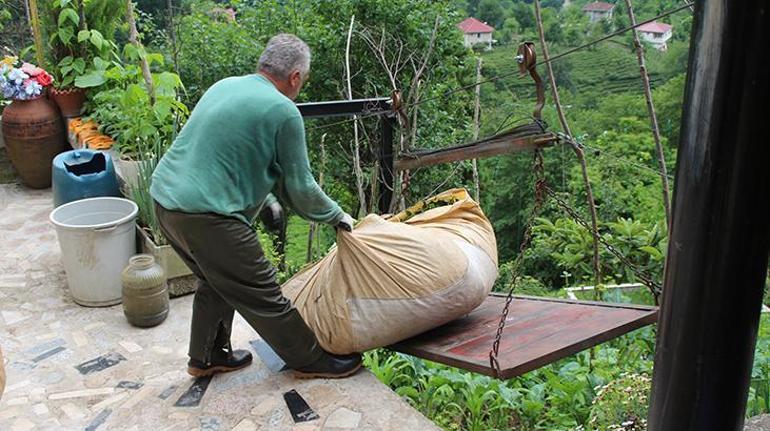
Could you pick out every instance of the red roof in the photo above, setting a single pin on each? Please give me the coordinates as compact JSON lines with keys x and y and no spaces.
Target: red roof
{"x":654,"y":27}
{"x":472,"y":25}
{"x":598,"y":6}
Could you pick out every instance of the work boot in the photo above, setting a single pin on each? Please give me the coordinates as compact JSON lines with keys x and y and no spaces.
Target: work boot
{"x":330,"y":367}
{"x":224,"y":362}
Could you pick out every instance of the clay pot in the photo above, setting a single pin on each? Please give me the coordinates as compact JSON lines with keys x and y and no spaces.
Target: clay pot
{"x":33,"y":132}
{"x":145,"y":292}
{"x":70,"y":101}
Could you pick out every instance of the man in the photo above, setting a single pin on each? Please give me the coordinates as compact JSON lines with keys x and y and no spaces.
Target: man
{"x":244,"y":139}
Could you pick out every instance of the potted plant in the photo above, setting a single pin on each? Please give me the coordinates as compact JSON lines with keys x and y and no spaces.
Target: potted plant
{"x":126,"y":111}
{"x":80,"y":55}
{"x":33,"y":131}
{"x":151,"y":239}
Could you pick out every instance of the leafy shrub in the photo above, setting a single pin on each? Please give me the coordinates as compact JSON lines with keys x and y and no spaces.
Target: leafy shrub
{"x":125,"y":111}
{"x":80,"y":46}
{"x":211,"y":49}
{"x":569,"y":245}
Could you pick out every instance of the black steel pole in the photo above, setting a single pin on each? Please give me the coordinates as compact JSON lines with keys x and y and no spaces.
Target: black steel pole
{"x":386,"y":164}
{"x":718,"y":252}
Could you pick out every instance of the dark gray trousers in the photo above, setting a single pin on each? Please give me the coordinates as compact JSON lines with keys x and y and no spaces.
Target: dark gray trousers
{"x":225,"y":255}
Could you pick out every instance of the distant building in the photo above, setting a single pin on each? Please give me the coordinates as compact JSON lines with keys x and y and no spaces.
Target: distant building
{"x":476,"y":33}
{"x":656,"y":33}
{"x":598,"y":11}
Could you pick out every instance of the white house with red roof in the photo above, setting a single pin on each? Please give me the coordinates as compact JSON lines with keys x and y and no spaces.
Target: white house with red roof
{"x":476,"y":33}
{"x":598,"y":11}
{"x":656,"y":33}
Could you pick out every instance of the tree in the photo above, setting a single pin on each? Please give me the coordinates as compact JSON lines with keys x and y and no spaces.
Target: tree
{"x":510,"y":30}
{"x":491,"y":12}
{"x":525,"y":15}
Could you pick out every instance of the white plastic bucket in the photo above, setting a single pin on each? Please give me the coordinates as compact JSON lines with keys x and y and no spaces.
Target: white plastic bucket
{"x":97,"y":236}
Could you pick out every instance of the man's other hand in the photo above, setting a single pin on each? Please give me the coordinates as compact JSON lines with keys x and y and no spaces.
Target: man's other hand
{"x":346,"y":223}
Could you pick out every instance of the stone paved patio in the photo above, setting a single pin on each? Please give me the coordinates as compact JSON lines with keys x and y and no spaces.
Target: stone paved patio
{"x":136,"y":376}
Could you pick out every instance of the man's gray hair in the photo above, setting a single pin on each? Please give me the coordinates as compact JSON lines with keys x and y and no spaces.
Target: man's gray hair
{"x":284,"y":54}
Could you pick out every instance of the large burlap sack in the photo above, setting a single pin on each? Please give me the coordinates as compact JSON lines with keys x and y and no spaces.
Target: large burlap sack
{"x":394,"y":278}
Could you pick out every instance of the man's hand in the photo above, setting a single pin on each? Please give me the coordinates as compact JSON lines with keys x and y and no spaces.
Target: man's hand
{"x":346,"y":223}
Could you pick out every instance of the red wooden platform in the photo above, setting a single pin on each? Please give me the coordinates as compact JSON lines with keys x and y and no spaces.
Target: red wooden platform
{"x":538,"y":331}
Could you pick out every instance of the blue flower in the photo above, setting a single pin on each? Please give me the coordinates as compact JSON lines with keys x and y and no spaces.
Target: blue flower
{"x":17,"y":76}
{"x":8,"y":91}
{"x":33,"y":89}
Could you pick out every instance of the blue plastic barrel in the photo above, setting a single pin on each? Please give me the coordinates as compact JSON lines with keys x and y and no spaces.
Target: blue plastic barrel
{"x":80,"y":174}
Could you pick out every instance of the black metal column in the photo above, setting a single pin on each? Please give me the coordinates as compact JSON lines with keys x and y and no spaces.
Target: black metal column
{"x":718,"y":252}
{"x":385,"y":157}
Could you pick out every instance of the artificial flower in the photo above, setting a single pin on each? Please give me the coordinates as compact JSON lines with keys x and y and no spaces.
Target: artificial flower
{"x":31,"y":69}
{"x":33,"y":89}
{"x":17,"y":76}
{"x":44,"y":79}
{"x":9,"y":61}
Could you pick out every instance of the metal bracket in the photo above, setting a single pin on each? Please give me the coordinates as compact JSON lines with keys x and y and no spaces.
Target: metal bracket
{"x":527,"y":59}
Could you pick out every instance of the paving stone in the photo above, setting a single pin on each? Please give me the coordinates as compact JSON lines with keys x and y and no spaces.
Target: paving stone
{"x":98,"y":420}
{"x":162,"y":350}
{"x":100,"y":363}
{"x":46,"y":346}
{"x":245,"y":425}
{"x":343,"y":418}
{"x":109,"y":401}
{"x":210,"y":423}
{"x":136,"y":398}
{"x":16,"y":386}
{"x":79,"y":338}
{"x":37,"y":395}
{"x":40,"y":409}
{"x":129,"y":385}
{"x":168,"y":392}
{"x":48,"y":354}
{"x":194,"y":394}
{"x":17,"y":401}
{"x":81,"y":393}
{"x":14,"y":317}
{"x":130,"y":346}
{"x":267,"y":406}
{"x":9,"y":412}
{"x":22,"y":424}
{"x":73,"y":412}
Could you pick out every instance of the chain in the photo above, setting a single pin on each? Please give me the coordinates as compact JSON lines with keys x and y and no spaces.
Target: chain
{"x":654,"y":287}
{"x":540,"y":189}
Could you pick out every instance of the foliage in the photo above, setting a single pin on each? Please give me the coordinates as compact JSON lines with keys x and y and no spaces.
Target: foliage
{"x":569,"y":245}
{"x":5,"y":14}
{"x":81,"y":42}
{"x":759,"y":392}
{"x":621,"y":405}
{"x":126,"y":112}
{"x":140,"y":193}
{"x":211,"y":49}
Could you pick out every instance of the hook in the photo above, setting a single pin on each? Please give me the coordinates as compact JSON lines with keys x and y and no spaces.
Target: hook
{"x":527,"y":59}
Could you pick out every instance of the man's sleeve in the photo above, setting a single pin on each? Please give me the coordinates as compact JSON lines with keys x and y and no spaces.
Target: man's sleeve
{"x":297,"y":187}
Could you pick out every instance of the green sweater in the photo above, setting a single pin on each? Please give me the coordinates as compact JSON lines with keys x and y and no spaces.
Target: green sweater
{"x":243,"y":140}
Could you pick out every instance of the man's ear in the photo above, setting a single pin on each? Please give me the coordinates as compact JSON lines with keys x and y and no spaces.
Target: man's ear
{"x":295,"y":77}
